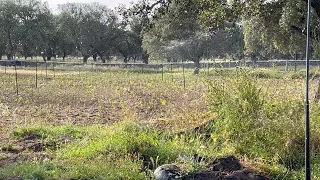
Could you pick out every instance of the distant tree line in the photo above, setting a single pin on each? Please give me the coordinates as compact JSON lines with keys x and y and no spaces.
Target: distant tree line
{"x":171,"y":30}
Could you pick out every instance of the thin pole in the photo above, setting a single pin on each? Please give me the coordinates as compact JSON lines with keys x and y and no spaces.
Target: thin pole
{"x":307,"y":123}
{"x":184,"y":77}
{"x":54,"y":72}
{"x":171,"y":73}
{"x":36,"y":73}
{"x":16,"y":73}
{"x":162,"y":71}
{"x":46,"y":69}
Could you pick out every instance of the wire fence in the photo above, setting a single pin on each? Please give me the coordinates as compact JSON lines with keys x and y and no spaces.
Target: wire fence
{"x":281,"y":64}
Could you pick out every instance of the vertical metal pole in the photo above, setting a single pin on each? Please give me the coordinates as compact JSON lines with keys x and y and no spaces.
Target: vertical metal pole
{"x":46,"y":69}
{"x":54,"y":72}
{"x":15,"y":69}
{"x":184,"y":77}
{"x":307,"y":123}
{"x":171,"y":73}
{"x":162,"y":71}
{"x":37,"y":73}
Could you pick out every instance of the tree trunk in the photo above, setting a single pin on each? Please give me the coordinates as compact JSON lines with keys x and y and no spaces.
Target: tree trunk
{"x":9,"y":56}
{"x":197,"y":63}
{"x":85,"y":59}
{"x":64,"y":55}
{"x":253,"y":60}
{"x":49,"y":58}
{"x":94,"y":56}
{"x":125,"y":59}
{"x":145,"y":58}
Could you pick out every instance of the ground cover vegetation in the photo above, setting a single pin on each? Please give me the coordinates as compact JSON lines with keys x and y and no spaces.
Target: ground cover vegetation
{"x":122,"y":124}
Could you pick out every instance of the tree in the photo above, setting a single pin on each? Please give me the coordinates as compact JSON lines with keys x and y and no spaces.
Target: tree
{"x":26,"y":27}
{"x":174,"y":26}
{"x":177,"y":34}
{"x":9,"y":24}
{"x":93,"y":28}
{"x":271,"y":27}
{"x":37,"y":32}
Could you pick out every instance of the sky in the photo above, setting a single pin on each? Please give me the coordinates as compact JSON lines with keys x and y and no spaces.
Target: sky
{"x":110,"y":3}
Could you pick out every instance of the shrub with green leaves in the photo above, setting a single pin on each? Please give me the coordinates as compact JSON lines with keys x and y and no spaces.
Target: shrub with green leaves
{"x":255,"y":126}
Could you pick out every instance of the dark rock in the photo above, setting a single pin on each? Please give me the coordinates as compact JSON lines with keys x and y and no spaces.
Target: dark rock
{"x":227,"y":168}
{"x":225,"y":164}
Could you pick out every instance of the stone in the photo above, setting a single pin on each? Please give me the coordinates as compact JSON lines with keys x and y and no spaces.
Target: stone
{"x":167,"y":172}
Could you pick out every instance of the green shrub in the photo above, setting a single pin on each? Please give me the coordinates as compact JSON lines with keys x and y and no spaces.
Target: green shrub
{"x":270,"y":129}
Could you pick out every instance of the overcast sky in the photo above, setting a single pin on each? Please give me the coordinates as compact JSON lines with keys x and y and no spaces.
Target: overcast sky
{"x":110,"y":3}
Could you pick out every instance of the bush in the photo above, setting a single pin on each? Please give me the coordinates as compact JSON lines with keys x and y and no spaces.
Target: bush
{"x":257,"y":127}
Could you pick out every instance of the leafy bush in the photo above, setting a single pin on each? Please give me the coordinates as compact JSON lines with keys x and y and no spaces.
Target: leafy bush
{"x":255,"y":126}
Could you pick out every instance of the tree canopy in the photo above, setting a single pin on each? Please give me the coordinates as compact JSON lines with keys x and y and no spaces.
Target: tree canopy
{"x":172,"y":30}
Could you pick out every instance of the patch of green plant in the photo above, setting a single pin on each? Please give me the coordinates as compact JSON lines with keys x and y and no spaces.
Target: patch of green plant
{"x":48,"y":131}
{"x":270,"y":129}
{"x":123,"y":138}
{"x":101,"y":167}
{"x":29,"y":170}
{"x":265,"y":74}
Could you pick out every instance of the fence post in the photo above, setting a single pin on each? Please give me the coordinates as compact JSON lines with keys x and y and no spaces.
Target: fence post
{"x":184,"y":77}
{"x":46,"y":69}
{"x":171,"y":72}
{"x":162,"y":71}
{"x":15,"y":69}
{"x":54,"y":73}
{"x":36,"y":73}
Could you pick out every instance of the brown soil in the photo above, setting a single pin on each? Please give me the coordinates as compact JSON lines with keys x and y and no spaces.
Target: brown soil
{"x":29,"y":148}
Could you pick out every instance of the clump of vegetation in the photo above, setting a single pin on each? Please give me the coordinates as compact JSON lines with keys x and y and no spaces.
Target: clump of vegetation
{"x":259,"y":127}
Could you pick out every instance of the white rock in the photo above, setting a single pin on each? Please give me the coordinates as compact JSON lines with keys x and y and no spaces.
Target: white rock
{"x":167,"y":172}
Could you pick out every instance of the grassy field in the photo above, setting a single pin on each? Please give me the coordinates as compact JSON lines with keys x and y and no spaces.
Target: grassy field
{"x":122,"y":124}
